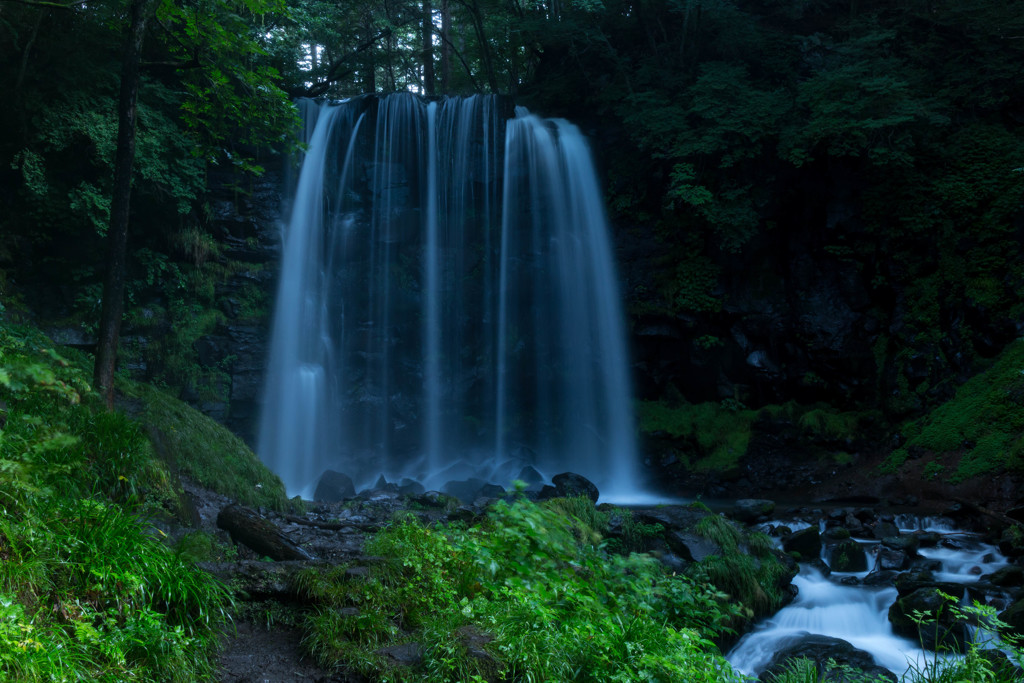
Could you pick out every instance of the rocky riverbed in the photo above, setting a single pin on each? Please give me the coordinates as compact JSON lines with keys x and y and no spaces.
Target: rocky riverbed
{"x":863,"y":545}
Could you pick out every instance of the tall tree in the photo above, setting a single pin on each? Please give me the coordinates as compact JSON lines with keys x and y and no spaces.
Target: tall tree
{"x":117,"y":236}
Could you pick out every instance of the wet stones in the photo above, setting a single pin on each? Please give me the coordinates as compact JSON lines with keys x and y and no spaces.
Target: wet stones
{"x":941,"y":630}
{"x":848,"y":556}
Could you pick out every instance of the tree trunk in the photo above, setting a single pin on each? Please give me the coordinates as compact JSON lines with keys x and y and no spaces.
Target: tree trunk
{"x":117,"y":237}
{"x":485,"y":52}
{"x":446,"y":48}
{"x":428,"y":49}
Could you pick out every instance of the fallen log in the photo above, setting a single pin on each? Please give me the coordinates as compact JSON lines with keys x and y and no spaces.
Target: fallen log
{"x":245,"y":526}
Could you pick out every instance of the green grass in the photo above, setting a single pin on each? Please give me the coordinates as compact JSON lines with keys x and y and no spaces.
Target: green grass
{"x":88,"y":590}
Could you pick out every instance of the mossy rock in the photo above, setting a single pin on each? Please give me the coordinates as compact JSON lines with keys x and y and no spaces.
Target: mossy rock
{"x":848,"y":556}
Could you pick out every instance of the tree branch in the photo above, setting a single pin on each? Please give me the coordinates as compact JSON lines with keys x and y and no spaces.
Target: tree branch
{"x":333,"y":75}
{"x":49,"y":5}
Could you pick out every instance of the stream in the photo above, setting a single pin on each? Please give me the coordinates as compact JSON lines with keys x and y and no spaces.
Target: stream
{"x":841,"y":605}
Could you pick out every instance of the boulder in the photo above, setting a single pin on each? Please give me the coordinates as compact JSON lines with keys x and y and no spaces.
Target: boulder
{"x":1010,"y":576}
{"x":884,"y":530}
{"x":677,"y":522}
{"x":466,"y":490}
{"x":405,"y":654}
{"x":1014,"y":617}
{"x":941,"y":632}
{"x":410,"y":487}
{"x":491,"y":491}
{"x":907,"y":543}
{"x":748,"y":510}
{"x":889,"y":559}
{"x":434,"y":499}
{"x":847,"y":556}
{"x":530,"y":476}
{"x":334,"y":487}
{"x":821,"y":650}
{"x":569,"y":484}
{"x":806,"y":542}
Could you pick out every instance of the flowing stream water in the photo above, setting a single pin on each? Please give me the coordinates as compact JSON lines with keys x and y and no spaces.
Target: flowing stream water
{"x":448,"y":304}
{"x":840,"y":606}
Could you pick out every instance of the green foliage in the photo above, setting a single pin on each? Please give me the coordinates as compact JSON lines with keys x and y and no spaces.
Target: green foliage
{"x":981,"y":662}
{"x":551,"y":603}
{"x":87,"y":588}
{"x":746,"y":569}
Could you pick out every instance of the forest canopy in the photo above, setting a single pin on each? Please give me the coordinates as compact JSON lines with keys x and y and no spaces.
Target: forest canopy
{"x":881,"y":138}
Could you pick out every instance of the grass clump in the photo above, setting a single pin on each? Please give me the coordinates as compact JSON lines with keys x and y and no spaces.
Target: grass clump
{"x":983,"y":422}
{"x":545,"y":602}
{"x":88,"y":590}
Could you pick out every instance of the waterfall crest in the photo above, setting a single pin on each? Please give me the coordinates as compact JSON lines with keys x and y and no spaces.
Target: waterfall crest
{"x":448,"y":304}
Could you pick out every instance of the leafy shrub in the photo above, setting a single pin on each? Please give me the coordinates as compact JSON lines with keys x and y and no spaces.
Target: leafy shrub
{"x":87,"y":589}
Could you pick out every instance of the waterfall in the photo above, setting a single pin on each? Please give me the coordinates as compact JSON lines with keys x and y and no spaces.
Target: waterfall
{"x":448,"y":305}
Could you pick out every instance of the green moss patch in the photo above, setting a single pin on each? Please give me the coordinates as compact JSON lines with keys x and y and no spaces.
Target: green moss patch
{"x":203,"y":449}
{"x":983,"y":422}
{"x":718,"y":432}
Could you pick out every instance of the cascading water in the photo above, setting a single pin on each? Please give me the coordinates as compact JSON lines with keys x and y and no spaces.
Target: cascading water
{"x":448,"y":305}
{"x":858,"y":613}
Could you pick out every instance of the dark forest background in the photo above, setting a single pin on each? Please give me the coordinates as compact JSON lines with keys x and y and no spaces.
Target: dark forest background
{"x":818,"y":204}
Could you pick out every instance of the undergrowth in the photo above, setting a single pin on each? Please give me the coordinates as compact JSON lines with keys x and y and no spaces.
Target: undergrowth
{"x":88,"y":589}
{"x":533,"y":583}
{"x":718,"y":434}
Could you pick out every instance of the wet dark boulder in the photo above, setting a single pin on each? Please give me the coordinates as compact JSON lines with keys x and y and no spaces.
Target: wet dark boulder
{"x":1013,"y":616}
{"x":941,"y":630}
{"x":749,"y":510}
{"x":334,"y":487}
{"x":570,"y":484}
{"x":1010,"y":576}
{"x":466,"y":490}
{"x":883,"y":529}
{"x":847,"y":556}
{"x":822,"y":651}
{"x":678,"y":524}
{"x":889,"y":559}
{"x":806,"y":542}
